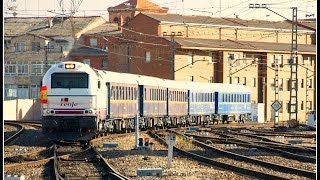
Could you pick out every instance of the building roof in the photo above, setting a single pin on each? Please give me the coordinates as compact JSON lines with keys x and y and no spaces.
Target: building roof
{"x":105,"y":29}
{"x":192,"y":43}
{"x":139,"y":5}
{"x":88,"y":51}
{"x":14,"y":26}
{"x":234,"y":22}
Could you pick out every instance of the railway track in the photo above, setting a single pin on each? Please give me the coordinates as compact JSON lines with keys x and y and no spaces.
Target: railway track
{"x":235,"y":157}
{"x":284,"y":150}
{"x":20,"y":129}
{"x":84,"y":159}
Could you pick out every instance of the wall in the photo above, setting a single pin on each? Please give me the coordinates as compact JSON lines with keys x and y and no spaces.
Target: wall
{"x":22,"y":109}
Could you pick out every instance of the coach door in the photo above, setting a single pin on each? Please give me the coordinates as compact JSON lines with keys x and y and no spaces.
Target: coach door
{"x":108,"y":99}
{"x":140,"y":100}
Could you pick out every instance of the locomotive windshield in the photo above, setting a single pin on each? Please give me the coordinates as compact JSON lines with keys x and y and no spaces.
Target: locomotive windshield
{"x":69,"y":80}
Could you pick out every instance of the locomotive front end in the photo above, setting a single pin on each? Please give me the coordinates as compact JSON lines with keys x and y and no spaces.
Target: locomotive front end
{"x":68,"y":99}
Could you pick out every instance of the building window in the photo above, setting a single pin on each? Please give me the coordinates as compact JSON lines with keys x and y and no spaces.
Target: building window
{"x":23,"y":68}
{"x":36,"y":68}
{"x":148,"y":56}
{"x":253,"y":82}
{"x":211,"y":79}
{"x":210,"y":57}
{"x":104,"y":63}
{"x":280,"y":83}
{"x":190,"y":59}
{"x":34,"y":91}
{"x":190,"y":78}
{"x":231,"y":57}
{"x":20,"y":46}
{"x":272,"y":84}
{"x":280,"y":110}
{"x":309,"y":83}
{"x":10,"y":91}
{"x":280,"y":59}
{"x":93,"y":42}
{"x":115,"y":20}
{"x":50,"y":46}
{"x":10,"y":68}
{"x":23,"y":91}
{"x":272,"y":58}
{"x":35,"y":46}
{"x":86,"y":61}
{"x":244,"y":81}
{"x":7,"y":43}
{"x":310,"y":105}
{"x":288,"y":85}
{"x":237,"y":80}
{"x":127,"y":19}
{"x":302,"y":83}
{"x":301,"y":105}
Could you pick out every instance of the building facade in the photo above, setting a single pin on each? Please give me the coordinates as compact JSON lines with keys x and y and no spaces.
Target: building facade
{"x":32,"y":45}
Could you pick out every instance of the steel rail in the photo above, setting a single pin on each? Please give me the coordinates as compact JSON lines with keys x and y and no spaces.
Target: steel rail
{"x":240,"y":170}
{"x":13,"y":137}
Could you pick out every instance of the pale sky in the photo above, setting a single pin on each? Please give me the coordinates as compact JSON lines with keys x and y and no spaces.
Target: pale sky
{"x":229,"y":8}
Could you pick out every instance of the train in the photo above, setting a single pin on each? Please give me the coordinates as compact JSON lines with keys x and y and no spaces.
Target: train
{"x":78,"y":97}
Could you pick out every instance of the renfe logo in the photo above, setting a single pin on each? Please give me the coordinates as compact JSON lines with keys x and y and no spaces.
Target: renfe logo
{"x":65,"y":102}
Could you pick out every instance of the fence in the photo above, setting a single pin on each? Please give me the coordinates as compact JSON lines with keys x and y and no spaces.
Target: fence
{"x":22,"y":109}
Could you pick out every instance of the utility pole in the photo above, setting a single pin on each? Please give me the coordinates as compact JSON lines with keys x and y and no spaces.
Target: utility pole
{"x":128,"y":57}
{"x":276,"y":90}
{"x":307,"y":92}
{"x":293,"y":110}
{"x":172,"y":50}
{"x":293,"y":102}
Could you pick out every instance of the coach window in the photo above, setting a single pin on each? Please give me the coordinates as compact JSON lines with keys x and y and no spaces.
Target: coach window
{"x":116,"y":93}
{"x":126,"y":93}
{"x":162,"y":95}
{"x":132,"y":93}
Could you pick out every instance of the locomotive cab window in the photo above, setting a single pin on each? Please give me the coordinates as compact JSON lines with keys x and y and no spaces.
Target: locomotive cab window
{"x":69,"y":80}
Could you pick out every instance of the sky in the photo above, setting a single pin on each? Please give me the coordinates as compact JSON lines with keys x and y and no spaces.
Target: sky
{"x":213,"y":8}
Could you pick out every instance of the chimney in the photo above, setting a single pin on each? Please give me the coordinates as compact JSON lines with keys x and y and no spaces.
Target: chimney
{"x":141,"y":3}
{"x":50,"y":22}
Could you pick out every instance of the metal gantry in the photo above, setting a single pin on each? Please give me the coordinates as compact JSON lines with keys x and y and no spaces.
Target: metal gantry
{"x":293,"y":102}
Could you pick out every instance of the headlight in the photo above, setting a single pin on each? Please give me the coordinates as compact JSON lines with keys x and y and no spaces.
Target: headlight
{"x":90,"y":111}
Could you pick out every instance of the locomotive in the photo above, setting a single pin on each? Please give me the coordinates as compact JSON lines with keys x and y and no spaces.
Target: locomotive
{"x":77,"y":97}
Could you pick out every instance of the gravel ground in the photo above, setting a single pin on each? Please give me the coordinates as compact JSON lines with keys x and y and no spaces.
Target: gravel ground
{"x":32,"y":139}
{"x":181,"y":143}
{"x":127,"y":161}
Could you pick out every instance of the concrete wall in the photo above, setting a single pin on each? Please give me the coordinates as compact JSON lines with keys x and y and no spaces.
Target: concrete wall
{"x":22,"y":109}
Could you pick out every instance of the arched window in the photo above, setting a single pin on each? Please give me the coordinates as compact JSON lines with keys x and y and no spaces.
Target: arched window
{"x":127,"y":19}
{"x":116,"y":20}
